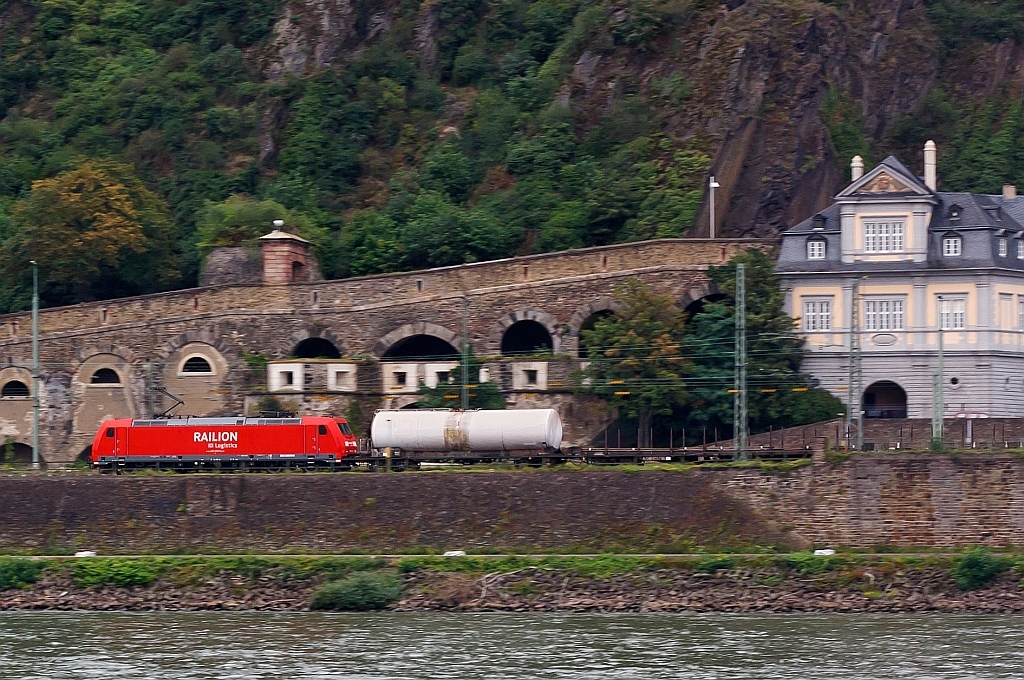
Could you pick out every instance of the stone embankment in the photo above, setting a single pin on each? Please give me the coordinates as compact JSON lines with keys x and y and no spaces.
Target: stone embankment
{"x":862,"y":587}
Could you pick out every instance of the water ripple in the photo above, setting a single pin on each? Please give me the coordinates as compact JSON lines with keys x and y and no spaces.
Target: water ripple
{"x":264,"y":646}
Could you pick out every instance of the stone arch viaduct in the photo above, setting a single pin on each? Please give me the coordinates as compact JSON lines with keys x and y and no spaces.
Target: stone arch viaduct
{"x":319,"y":346}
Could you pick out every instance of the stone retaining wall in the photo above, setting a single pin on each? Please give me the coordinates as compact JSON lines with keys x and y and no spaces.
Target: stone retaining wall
{"x":868,"y":500}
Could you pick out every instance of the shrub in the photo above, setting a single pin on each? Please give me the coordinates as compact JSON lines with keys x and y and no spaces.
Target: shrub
{"x":977,"y":568}
{"x":91,"y":572}
{"x":361,"y":592}
{"x":16,"y":573}
{"x":712,"y":563}
{"x":809,"y":564}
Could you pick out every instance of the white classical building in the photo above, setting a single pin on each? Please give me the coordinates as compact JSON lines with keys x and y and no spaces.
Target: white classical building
{"x":921,"y":260}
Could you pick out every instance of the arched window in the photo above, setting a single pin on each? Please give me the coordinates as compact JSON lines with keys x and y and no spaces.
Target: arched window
{"x":14,"y":388}
{"x":954,"y":213}
{"x":105,"y":376}
{"x":196,"y":364}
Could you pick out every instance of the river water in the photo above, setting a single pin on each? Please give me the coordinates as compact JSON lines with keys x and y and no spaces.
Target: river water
{"x":513,"y":646}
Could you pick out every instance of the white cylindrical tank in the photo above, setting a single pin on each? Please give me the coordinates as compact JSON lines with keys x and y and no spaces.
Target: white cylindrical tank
{"x":435,"y":430}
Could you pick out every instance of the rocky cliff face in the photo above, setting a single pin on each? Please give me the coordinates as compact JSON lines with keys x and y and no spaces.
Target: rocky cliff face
{"x":522,"y":125}
{"x":755,"y":77}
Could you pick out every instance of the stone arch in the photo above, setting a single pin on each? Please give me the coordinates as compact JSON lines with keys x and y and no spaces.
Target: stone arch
{"x":548,"y":322}
{"x":95,"y":402}
{"x":10,"y":376}
{"x":204,"y":336}
{"x":316,"y":348}
{"x":693,"y":299}
{"x":602,"y":305}
{"x":201,"y":391}
{"x":314,"y":331}
{"x":16,"y":411}
{"x":884,"y":399}
{"x":409,"y":330}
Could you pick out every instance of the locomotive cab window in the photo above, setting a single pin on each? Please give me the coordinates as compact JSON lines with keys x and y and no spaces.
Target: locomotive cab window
{"x":345,"y":429}
{"x":322,"y":429}
{"x":110,"y":432}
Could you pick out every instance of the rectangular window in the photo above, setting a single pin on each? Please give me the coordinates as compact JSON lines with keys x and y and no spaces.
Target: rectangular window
{"x":816,"y":250}
{"x":531,"y":377}
{"x":883,"y":237}
{"x":951,"y":246}
{"x":817,"y":315}
{"x":1020,"y":250}
{"x":400,"y":377}
{"x":883,"y":315}
{"x":1020,"y":312}
{"x":952,"y":314}
{"x":288,"y":377}
{"x":1002,"y":247}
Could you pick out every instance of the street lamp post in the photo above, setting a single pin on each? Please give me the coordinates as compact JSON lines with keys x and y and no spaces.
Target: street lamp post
{"x":712,"y":185}
{"x":35,"y":365}
{"x":938,"y":386}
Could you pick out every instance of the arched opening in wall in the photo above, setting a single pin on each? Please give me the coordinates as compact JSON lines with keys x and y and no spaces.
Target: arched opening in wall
{"x":316,"y":348}
{"x":197,"y":365}
{"x":588,"y":325}
{"x":298,"y":271}
{"x":884,"y":399}
{"x":526,"y":337}
{"x":14,"y":388}
{"x":15,"y":453}
{"x":105,"y":376}
{"x":698,"y":305}
{"x":421,"y":348}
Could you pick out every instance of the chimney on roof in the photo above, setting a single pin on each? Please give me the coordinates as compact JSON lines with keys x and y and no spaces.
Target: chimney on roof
{"x":856,"y":168}
{"x":930,"y":179}
{"x":1009,"y":192}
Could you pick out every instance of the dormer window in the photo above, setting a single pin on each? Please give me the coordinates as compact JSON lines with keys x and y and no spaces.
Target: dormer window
{"x":816,"y":249}
{"x":1003,"y":246}
{"x":818,"y":222}
{"x":952,"y":246}
{"x":954,"y":213}
{"x":883,"y":236}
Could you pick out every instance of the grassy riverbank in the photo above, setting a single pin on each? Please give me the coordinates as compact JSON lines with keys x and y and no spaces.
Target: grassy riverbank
{"x":972,"y":581}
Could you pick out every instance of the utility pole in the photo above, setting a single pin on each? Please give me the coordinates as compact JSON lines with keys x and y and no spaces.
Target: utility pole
{"x":35,"y":365}
{"x":938,"y":384}
{"x":712,"y":185}
{"x":739,"y":401}
{"x":465,"y":352}
{"x":853,"y":409}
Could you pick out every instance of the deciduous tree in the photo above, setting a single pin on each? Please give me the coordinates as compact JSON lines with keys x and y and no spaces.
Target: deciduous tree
{"x":95,"y":231}
{"x":636,"y":356}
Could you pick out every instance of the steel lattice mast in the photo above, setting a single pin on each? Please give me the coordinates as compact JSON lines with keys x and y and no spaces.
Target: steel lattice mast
{"x":739,"y":403}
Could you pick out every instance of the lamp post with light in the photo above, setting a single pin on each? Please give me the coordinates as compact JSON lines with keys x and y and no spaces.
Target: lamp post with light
{"x":35,"y":365}
{"x":712,"y":185}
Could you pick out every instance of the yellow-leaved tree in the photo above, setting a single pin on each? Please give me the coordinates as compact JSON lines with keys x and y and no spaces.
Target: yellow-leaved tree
{"x":96,"y":232}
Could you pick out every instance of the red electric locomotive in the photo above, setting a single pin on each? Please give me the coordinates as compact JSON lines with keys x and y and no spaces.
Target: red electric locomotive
{"x":308,"y":442}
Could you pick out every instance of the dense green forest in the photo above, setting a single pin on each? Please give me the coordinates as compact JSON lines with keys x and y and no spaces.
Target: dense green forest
{"x":137,"y":134}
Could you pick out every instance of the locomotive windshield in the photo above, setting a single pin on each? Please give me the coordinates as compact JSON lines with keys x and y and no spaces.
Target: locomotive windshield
{"x":345,"y":429}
